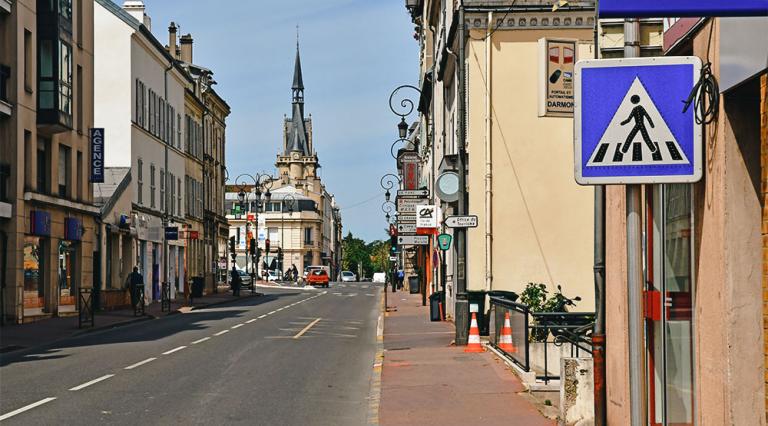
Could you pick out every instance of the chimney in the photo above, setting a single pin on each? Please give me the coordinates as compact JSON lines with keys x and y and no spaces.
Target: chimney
{"x":186,"y":48}
{"x":172,"y":39}
{"x":137,"y":9}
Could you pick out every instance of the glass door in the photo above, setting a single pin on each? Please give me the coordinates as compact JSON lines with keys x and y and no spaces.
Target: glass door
{"x":668,"y":305}
{"x":66,"y":277}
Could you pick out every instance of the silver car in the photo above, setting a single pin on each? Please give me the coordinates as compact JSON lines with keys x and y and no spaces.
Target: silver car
{"x":348,"y":277}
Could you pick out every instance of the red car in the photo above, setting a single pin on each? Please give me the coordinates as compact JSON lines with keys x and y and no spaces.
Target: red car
{"x":318,"y":277}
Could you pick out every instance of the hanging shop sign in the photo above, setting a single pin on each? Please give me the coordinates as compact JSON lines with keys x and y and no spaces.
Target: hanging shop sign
{"x":73,"y":229}
{"x":426,"y":216}
{"x":40,"y":223}
{"x":557,"y":58}
{"x":171,"y":233}
{"x":97,"y":155}
{"x":444,"y":241}
{"x":629,"y":124}
{"x":661,"y":8}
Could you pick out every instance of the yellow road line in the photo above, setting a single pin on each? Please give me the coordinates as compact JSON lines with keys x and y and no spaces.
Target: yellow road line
{"x":299,"y":334}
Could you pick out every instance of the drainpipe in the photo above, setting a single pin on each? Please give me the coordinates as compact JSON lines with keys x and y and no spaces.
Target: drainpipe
{"x":488,"y":161}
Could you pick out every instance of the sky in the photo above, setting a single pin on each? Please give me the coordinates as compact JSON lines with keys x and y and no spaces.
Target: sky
{"x":353,"y":54}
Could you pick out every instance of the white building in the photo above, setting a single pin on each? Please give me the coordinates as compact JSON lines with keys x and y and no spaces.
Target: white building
{"x":139,"y":93}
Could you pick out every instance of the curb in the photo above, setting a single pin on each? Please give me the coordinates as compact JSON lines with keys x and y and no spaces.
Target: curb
{"x":374,"y":392}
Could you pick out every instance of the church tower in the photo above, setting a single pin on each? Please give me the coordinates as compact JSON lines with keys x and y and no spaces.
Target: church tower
{"x":297,"y":163}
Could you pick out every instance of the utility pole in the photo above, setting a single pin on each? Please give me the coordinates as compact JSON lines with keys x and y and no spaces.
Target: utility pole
{"x":635,"y":264}
{"x":462,"y":304}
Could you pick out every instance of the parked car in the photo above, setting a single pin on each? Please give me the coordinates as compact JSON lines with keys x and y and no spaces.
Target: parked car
{"x":247,"y":282}
{"x":272,"y":276}
{"x":348,"y":277}
{"x":318,"y":277}
{"x":308,"y":271}
{"x":379,"y":277}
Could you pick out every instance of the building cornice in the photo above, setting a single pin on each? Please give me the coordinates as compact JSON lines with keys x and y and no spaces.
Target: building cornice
{"x":532,"y":20}
{"x":36,"y":197}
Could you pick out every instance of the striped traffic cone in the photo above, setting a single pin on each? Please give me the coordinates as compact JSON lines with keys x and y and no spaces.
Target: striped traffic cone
{"x":473,"y":345}
{"x":505,"y":343}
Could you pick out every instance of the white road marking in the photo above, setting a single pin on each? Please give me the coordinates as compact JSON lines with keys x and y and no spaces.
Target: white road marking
{"x":94,"y":381}
{"x":270,"y":313}
{"x":250,"y":320}
{"x":26,"y":408}
{"x":140,"y":363}
{"x":221,"y":332}
{"x":237,"y":326}
{"x":364,"y":286}
{"x":306,"y":328}
{"x":174,"y":350}
{"x":337,"y":294}
{"x":261,"y":316}
{"x":201,"y":340}
{"x":369,"y":294}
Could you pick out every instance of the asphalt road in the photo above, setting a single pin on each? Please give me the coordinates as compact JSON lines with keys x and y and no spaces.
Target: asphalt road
{"x":292,"y":357}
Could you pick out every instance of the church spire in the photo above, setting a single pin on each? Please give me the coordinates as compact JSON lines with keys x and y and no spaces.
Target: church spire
{"x":297,"y":136}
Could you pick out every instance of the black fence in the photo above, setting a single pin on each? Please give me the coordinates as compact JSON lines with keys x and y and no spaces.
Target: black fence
{"x":537,"y":334}
{"x":86,"y":313}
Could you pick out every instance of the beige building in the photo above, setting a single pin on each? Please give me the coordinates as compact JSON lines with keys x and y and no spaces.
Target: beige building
{"x":535,"y":222}
{"x":47,"y":217}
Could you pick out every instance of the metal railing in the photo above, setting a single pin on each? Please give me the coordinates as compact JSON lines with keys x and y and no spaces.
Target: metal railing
{"x":536,"y":334}
{"x":86,"y":314}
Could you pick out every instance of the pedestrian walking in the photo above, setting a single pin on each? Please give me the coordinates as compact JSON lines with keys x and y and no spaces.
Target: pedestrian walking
{"x":295,"y":272}
{"x":136,"y":287}
{"x":400,"y":279}
{"x":236,"y":282}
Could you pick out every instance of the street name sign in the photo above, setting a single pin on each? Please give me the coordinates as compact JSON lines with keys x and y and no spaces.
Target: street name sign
{"x":461,"y":221}
{"x":629,"y":127}
{"x":393,"y":258}
{"x":408,"y":205}
{"x":406,"y":228}
{"x":416,"y":240}
{"x":681,"y":8}
{"x":416,"y":193}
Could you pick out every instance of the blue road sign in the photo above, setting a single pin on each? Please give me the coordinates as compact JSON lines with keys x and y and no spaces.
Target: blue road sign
{"x":680,"y":8}
{"x":628,"y":121}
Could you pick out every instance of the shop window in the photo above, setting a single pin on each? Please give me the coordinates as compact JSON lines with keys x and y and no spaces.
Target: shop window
{"x":34,"y":276}
{"x":668,"y":305}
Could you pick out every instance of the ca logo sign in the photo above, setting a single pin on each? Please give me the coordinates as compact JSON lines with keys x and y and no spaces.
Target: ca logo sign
{"x":427,"y":212}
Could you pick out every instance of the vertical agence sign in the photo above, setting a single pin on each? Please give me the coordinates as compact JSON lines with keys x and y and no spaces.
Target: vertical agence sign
{"x":97,"y":155}
{"x":557,"y":58}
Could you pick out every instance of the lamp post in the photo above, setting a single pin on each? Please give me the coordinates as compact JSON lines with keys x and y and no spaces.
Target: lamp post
{"x":288,"y":201}
{"x":262,"y":183}
{"x":389,"y":182}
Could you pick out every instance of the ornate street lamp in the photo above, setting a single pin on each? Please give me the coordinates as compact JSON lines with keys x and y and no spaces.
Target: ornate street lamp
{"x":404,"y":109}
{"x":388,"y":182}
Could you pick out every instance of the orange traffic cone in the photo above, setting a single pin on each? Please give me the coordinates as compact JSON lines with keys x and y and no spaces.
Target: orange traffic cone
{"x":505,"y":343}
{"x":473,"y":345}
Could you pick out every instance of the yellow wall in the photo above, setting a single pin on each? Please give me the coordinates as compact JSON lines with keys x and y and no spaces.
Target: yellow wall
{"x":542,"y":220}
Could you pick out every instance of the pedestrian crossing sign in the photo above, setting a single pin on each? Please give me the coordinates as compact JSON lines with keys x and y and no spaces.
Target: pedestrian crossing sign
{"x":629,"y":124}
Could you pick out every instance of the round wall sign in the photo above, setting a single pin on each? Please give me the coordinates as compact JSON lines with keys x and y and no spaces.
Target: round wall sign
{"x":447,"y":186}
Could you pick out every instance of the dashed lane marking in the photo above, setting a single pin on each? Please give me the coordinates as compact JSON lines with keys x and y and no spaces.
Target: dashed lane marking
{"x":140,"y":363}
{"x":26,"y":408}
{"x":370,"y":294}
{"x":261,"y":316}
{"x":201,"y":340}
{"x":174,"y":350}
{"x":237,"y":326}
{"x":92,"y":382}
{"x":221,"y":332}
{"x":250,"y":320}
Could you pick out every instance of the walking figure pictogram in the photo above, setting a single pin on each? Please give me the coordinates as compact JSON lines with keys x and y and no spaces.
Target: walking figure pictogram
{"x":638,"y":114}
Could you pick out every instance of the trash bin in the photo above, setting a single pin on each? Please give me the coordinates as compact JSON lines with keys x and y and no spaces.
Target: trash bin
{"x":435,"y":313}
{"x":478,"y":298}
{"x":508,"y":295}
{"x":413,"y":284}
{"x":198,"y":284}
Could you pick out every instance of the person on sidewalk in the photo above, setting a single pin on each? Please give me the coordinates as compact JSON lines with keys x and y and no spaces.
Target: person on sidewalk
{"x":295,"y":273}
{"x":400,"y":279}
{"x":136,"y":287}
{"x":236,"y":282}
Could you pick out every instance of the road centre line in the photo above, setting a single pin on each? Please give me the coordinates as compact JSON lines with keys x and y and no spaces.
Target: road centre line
{"x":174,"y":350}
{"x":261,"y":316}
{"x":92,"y":382}
{"x":26,"y":408}
{"x":250,"y":320}
{"x":200,"y":340}
{"x":140,"y":363}
{"x":237,"y":326}
{"x":301,"y":333}
{"x":221,"y":332}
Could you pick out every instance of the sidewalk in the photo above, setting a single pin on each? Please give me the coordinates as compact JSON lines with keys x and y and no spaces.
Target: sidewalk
{"x":428,"y":381}
{"x":15,"y":337}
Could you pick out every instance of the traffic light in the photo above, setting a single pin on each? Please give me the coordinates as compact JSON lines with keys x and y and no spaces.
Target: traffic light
{"x":280,"y":253}
{"x":266,"y":246}
{"x":232,"y":247}
{"x":252,"y":247}
{"x":393,"y":244}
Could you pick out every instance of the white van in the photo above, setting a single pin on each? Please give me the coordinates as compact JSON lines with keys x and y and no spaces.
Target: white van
{"x":379,"y":277}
